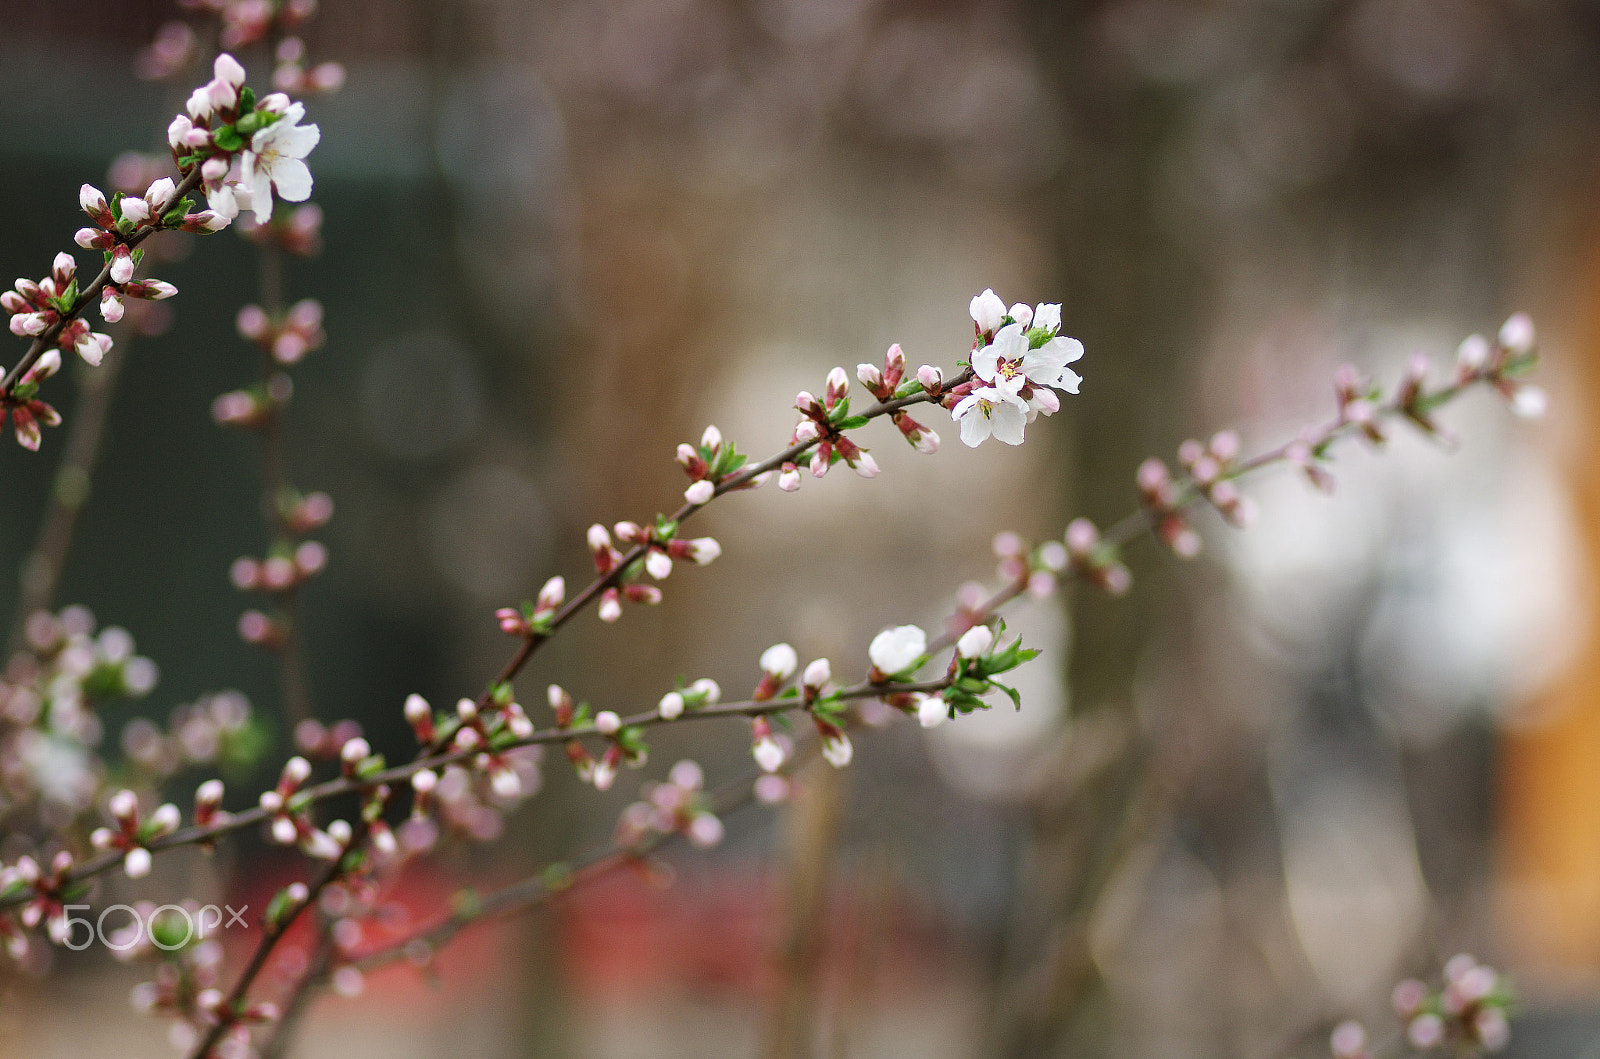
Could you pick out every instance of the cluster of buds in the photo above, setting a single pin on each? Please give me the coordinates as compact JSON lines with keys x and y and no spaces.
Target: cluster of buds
{"x":132,"y":836}
{"x":534,"y":618}
{"x":245,"y":22}
{"x":324,"y":742}
{"x":292,"y":76}
{"x":1163,"y":498}
{"x":1019,"y":359}
{"x":297,"y":231}
{"x":824,"y":422}
{"x":884,"y":384}
{"x":1468,"y":1013}
{"x":254,"y":408}
{"x":712,"y":462}
{"x":1503,"y":363}
{"x":225,"y":122}
{"x":126,"y":219}
{"x":678,"y":806}
{"x":36,"y":308}
{"x":1095,"y":560}
{"x":1212,"y":468}
{"x":660,"y":546}
{"x":291,"y":822}
{"x":500,"y":772}
{"x":47,"y":893}
{"x":288,"y":338}
{"x":279,"y":573}
{"x":215,"y":729}
{"x":185,"y":985}
{"x":488,"y":731}
{"x":1359,"y":403}
{"x":1038,"y":570}
{"x":466,"y":802}
{"x":49,"y":724}
{"x":27,"y":412}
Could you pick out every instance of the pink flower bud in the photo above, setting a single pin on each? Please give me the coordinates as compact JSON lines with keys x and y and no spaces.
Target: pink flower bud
{"x":551,"y":595}
{"x":817,"y":674}
{"x":420,"y":716}
{"x":870,"y":377}
{"x":610,"y":605}
{"x":1081,"y":537}
{"x":789,"y":478}
{"x":700,"y":492}
{"x":110,"y":304}
{"x":649,"y":595}
{"x":931,"y":378}
{"x":606,"y":722}
{"x":1516,"y":334}
{"x":1473,"y":354}
{"x":671,"y":706}
{"x":711,"y":440}
{"x":657,"y":563}
{"x":245,"y":573}
{"x":768,"y":754}
{"x":121,"y":264}
{"x":135,"y":211}
{"x":93,"y":203}
{"x":838,"y":386}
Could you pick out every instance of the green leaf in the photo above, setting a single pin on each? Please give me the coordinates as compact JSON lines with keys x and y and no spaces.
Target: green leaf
{"x":25,"y":391}
{"x":227,"y":138}
{"x":557,"y":876}
{"x":466,"y":904}
{"x":247,"y":99}
{"x":727,"y":462}
{"x":852,"y":423}
{"x":278,"y":909}
{"x":907,"y":388}
{"x":1011,"y":693}
{"x":839,"y":411}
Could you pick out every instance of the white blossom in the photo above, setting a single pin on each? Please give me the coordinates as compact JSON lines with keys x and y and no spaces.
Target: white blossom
{"x":1009,"y":357}
{"x":990,"y":410}
{"x":275,"y":161}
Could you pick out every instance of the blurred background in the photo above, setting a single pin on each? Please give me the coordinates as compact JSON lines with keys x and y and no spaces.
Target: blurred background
{"x":1238,"y":804}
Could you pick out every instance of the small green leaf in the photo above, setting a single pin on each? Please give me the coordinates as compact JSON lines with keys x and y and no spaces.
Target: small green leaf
{"x":557,"y":877}
{"x":227,"y":138}
{"x":247,"y":99}
{"x":852,"y":423}
{"x":907,"y":388}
